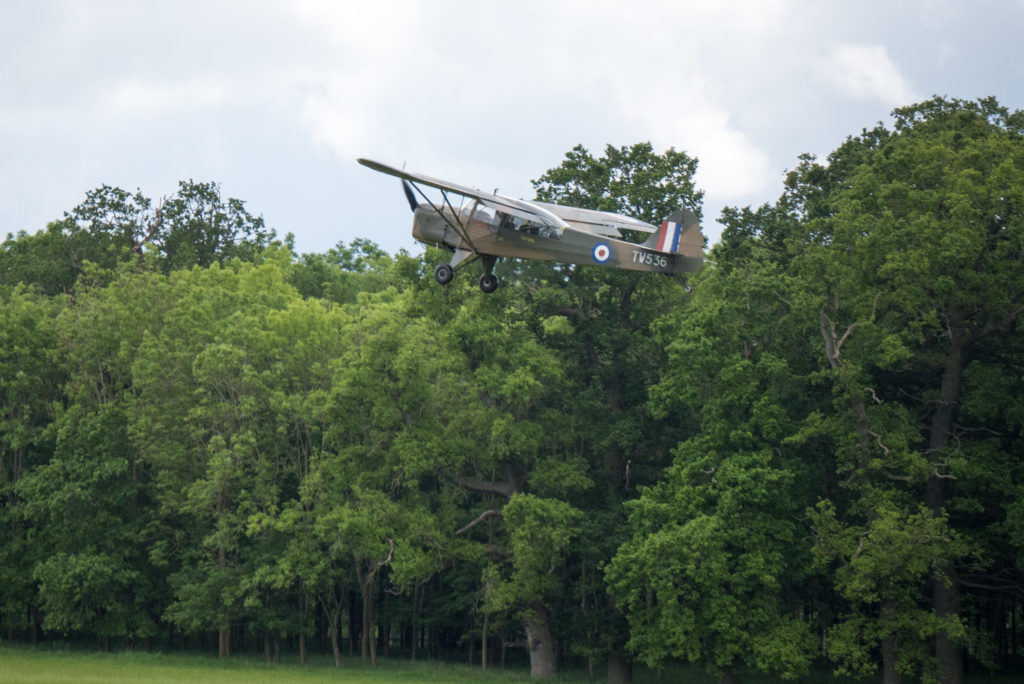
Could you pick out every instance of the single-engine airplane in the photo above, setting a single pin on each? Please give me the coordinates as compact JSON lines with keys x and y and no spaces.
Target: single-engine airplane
{"x":487,"y":226}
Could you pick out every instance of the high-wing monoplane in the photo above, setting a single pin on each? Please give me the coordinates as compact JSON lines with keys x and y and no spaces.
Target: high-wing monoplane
{"x":481,"y":225}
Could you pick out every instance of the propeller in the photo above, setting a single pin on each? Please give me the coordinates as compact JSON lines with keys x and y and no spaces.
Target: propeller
{"x":409,"y":195}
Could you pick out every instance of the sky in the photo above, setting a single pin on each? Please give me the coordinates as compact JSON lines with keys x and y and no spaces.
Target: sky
{"x":276,"y":100}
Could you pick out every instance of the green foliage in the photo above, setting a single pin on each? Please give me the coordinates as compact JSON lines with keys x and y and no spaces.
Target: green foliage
{"x":193,"y":227}
{"x":819,"y":436}
{"x":632,"y":180}
{"x":880,"y":566}
{"x":540,"y":531}
{"x":927,"y":219}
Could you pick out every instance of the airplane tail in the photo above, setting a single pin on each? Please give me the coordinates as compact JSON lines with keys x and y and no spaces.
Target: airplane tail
{"x":679,"y":234}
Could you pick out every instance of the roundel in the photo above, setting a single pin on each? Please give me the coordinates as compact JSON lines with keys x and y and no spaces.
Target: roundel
{"x":602,"y":252}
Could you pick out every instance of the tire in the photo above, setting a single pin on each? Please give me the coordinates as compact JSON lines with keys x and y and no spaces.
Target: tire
{"x":488,"y":282}
{"x":444,"y":273}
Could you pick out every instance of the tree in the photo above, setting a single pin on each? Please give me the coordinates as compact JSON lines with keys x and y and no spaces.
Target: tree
{"x":342,"y":272}
{"x":208,"y":382}
{"x":87,"y":502}
{"x":880,"y":567}
{"x":913,"y":256}
{"x":194,"y":227}
{"x":103,"y":230}
{"x":599,"y":323}
{"x":540,"y":533}
{"x":632,"y":180}
{"x":32,"y":371}
{"x":197,"y":227}
{"x":713,"y":569}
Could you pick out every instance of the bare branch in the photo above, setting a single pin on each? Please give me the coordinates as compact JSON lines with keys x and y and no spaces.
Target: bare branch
{"x":846,"y":336}
{"x":828,"y":334}
{"x":878,"y":439}
{"x":860,"y":545}
{"x":978,"y":429}
{"x":505,"y":489}
{"x":828,"y":331}
{"x":479,"y":518}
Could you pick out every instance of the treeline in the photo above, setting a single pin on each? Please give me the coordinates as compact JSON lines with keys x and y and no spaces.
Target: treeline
{"x":811,"y":451}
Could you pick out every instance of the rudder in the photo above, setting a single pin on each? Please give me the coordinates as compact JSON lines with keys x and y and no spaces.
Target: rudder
{"x":679,"y":234}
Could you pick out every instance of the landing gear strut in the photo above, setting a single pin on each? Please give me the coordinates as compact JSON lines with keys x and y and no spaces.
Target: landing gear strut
{"x":443,"y":273}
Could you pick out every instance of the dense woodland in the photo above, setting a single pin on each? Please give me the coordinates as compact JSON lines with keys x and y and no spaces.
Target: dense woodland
{"x":807,"y":454}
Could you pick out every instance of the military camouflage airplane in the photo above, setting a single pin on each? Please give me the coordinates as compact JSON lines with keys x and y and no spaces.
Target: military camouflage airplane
{"x":487,"y":226}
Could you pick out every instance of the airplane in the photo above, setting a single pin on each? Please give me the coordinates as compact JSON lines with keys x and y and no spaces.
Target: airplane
{"x":488,"y":226}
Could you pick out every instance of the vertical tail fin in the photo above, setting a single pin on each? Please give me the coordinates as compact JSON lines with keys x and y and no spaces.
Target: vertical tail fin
{"x":679,"y":234}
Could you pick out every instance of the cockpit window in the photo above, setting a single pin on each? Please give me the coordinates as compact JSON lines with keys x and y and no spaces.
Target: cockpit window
{"x":521,"y":225}
{"x":485,"y":214}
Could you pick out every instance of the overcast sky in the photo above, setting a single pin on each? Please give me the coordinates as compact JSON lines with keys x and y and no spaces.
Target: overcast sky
{"x":275,"y":100}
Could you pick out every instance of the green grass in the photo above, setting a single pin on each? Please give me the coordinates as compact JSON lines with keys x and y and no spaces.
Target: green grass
{"x":24,"y":665}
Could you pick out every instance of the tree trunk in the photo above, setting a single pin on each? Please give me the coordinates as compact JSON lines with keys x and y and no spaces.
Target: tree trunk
{"x":354,"y":621}
{"x":335,"y":651}
{"x":369,"y":626}
{"x":224,"y":635}
{"x":946,"y":600}
{"x":334,"y":625}
{"x":945,"y":582}
{"x":728,"y":676}
{"x":303,"y":610}
{"x":890,"y":649}
{"x":539,"y":642}
{"x":224,"y":642}
{"x":620,"y":670}
{"x":483,"y":642}
{"x":364,"y":641}
{"x":416,"y":593}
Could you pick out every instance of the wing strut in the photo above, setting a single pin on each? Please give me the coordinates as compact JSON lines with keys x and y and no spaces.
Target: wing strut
{"x":453,"y":221}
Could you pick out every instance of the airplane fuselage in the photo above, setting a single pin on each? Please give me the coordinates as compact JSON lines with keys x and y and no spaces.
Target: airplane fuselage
{"x":494,"y":233}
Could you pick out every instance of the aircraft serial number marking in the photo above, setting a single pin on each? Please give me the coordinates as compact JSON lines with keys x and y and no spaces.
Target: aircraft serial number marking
{"x":650,"y":259}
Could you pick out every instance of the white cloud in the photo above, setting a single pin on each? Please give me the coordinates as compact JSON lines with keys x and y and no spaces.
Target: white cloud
{"x":137,"y":97}
{"x":731,"y":165}
{"x":867,"y":72}
{"x":368,"y":59}
{"x":478,"y":92}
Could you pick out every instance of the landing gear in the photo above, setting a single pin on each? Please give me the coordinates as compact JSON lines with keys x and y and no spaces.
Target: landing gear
{"x":444,"y":273}
{"x":488,"y":282}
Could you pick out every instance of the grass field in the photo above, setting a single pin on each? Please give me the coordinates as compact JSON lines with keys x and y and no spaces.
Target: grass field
{"x":37,"y":666}
{"x":22,"y":664}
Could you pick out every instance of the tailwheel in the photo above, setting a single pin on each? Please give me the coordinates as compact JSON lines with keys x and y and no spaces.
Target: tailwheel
{"x":444,"y":273}
{"x":488,"y":282}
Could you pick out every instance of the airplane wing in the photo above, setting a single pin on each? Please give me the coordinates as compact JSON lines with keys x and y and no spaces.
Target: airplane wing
{"x":536,"y":211}
{"x":601,"y":222}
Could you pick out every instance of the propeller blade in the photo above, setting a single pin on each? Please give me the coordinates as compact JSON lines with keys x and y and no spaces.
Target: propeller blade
{"x":409,"y":195}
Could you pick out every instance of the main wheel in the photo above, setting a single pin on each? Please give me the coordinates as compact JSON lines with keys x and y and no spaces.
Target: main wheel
{"x":444,"y":273}
{"x":488,"y":282}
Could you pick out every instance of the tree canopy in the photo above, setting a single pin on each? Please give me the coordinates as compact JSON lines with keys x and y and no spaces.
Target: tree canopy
{"x":807,"y":455}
